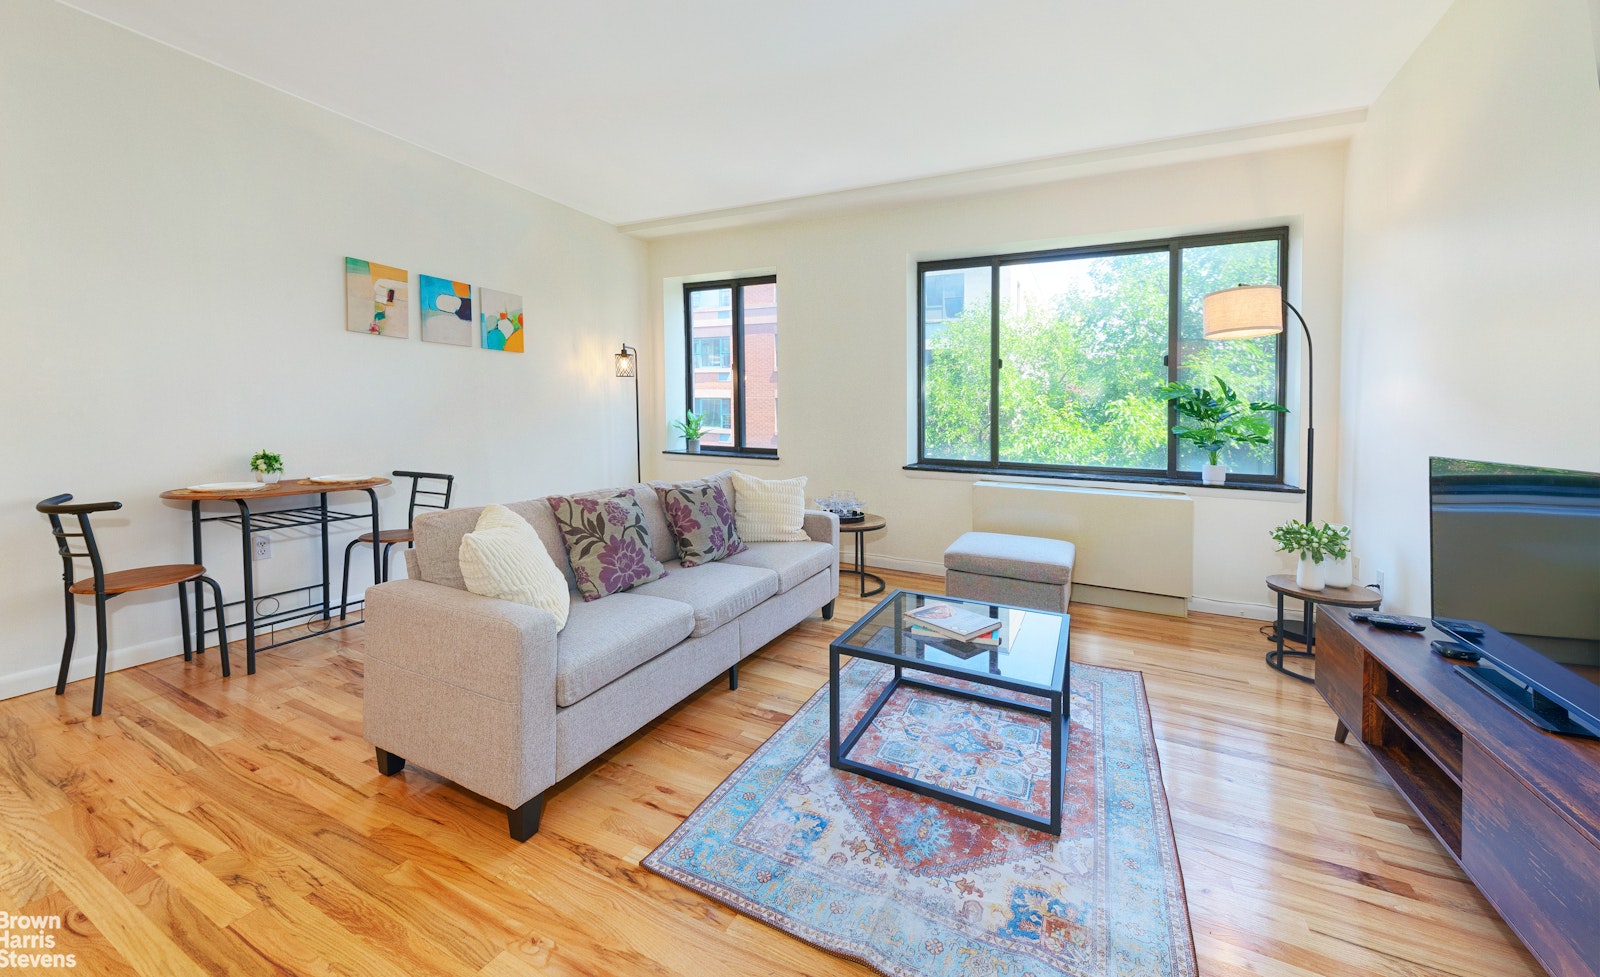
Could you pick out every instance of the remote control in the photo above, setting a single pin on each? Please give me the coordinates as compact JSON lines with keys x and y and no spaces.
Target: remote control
{"x":1465,"y":629}
{"x":1455,"y":650}
{"x":1390,"y":622}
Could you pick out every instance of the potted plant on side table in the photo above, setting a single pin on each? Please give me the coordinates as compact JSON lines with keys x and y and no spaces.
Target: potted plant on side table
{"x":267,"y":466}
{"x":1216,"y":422}
{"x":691,"y":427}
{"x":1315,"y":546}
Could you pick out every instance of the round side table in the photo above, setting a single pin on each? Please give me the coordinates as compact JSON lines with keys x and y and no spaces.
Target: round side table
{"x":861,"y":529}
{"x":1284,"y":586}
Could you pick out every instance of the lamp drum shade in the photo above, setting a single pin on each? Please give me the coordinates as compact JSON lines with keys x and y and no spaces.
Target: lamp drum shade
{"x":1243,"y":312}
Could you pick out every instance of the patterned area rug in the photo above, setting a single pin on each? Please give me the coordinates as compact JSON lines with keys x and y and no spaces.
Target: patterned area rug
{"x":914,"y":886}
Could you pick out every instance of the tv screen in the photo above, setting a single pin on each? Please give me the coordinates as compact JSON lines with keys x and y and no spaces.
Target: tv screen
{"x":1518,"y":549}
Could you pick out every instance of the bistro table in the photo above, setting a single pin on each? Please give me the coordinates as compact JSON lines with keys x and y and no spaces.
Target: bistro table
{"x":251,"y":522}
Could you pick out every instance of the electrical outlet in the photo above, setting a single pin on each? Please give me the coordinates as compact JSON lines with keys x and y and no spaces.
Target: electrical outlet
{"x":262,"y":547}
{"x":1380,"y":580}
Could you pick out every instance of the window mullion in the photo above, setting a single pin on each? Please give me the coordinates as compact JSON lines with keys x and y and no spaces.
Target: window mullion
{"x":736,"y":331}
{"x":1174,"y":321}
{"x":994,"y":364}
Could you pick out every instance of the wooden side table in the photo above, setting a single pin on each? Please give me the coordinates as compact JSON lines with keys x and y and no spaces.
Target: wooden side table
{"x":1284,"y":586}
{"x":860,"y":529}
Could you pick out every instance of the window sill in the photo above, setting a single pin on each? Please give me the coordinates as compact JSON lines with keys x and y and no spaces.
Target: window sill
{"x":703,"y":453}
{"x":1188,"y":483}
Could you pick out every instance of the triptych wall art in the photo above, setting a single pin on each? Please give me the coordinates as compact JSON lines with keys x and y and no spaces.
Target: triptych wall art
{"x":377,"y":302}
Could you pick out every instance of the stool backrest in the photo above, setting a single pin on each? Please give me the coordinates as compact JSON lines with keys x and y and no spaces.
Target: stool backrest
{"x":427,"y":498}
{"x":61,"y":505}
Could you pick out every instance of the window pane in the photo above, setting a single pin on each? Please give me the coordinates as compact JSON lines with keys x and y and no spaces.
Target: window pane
{"x":1082,"y":341}
{"x":717,"y":411}
{"x":1249,"y":366}
{"x":711,"y":326}
{"x":955,"y":364}
{"x":760,"y":365}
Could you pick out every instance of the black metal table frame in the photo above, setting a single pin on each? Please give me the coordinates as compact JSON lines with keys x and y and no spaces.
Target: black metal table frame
{"x":1058,"y":713}
{"x":1276,"y":656}
{"x":249,"y":524}
{"x":860,"y":570}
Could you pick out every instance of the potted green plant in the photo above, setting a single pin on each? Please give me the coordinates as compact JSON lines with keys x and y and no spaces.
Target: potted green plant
{"x":267,"y":466}
{"x":691,"y":427}
{"x":1340,"y":570}
{"x":1215,"y":422}
{"x":1315,"y":546}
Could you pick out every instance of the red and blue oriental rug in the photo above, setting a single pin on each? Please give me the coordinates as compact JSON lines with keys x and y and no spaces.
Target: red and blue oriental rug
{"x":918,"y":888}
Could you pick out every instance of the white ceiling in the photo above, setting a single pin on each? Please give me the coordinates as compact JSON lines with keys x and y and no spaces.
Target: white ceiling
{"x":635,"y":110}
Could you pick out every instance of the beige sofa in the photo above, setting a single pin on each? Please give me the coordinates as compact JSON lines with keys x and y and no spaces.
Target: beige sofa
{"x":486,"y":693}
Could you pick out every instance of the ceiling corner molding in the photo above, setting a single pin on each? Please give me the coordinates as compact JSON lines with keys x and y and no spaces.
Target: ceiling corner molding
{"x":1309,"y":130}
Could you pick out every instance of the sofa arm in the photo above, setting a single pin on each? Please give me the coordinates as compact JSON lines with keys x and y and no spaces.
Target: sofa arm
{"x":821,"y":526}
{"x":462,"y":685}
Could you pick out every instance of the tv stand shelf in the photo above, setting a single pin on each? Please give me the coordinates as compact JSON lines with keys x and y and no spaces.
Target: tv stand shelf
{"x":1516,"y":807}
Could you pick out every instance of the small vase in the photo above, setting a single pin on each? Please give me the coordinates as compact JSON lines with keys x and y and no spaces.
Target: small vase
{"x":1309,"y":575}
{"x":691,"y":445}
{"x":1339,"y":573}
{"x":1213,"y":474}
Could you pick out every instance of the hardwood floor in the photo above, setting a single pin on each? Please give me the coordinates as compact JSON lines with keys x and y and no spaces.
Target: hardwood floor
{"x":203,"y":826}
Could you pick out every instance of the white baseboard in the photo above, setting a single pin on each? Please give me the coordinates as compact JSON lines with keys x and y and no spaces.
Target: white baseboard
{"x":894,"y":563}
{"x":1228,"y":608}
{"x":44,"y":677}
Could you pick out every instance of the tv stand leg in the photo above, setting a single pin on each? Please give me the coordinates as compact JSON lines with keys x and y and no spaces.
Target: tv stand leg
{"x":1340,"y":732}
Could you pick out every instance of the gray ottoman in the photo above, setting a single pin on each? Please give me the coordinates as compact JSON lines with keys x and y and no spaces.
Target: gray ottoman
{"x":1028,"y":571}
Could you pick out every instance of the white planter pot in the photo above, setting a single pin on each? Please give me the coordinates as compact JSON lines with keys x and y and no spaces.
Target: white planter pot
{"x":1213,"y":474}
{"x":1309,"y":575}
{"x":691,"y":445}
{"x":1339,"y":573}
{"x":270,"y":478}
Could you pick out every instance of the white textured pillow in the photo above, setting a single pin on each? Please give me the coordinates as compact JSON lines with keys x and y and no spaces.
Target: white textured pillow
{"x":769,"y":511}
{"x":503,"y":557}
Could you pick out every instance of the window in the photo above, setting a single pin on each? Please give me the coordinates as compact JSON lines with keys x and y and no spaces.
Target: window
{"x":1050,"y":361}
{"x":732,"y":336}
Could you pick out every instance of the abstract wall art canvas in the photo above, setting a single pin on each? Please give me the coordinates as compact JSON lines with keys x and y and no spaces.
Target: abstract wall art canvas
{"x":500,"y":320}
{"x":446,"y":311}
{"x":377,"y":298}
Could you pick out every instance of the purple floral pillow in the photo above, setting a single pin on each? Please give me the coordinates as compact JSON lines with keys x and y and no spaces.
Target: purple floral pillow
{"x":702,"y":522}
{"x":607,"y":543}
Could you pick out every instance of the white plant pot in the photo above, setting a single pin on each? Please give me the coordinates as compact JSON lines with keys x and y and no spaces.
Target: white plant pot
{"x":1309,"y":575}
{"x":691,"y":445}
{"x":1339,"y":573}
{"x":1213,"y":474}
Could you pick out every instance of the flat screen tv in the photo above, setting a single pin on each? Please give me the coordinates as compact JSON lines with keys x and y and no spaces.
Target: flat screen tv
{"x":1516,"y":574}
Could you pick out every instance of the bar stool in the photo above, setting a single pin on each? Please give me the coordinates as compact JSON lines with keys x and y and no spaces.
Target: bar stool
{"x":421,"y":498}
{"x":103,"y":586}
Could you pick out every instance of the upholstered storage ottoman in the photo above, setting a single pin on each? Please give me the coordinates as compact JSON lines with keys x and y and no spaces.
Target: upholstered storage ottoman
{"x":1028,"y":571}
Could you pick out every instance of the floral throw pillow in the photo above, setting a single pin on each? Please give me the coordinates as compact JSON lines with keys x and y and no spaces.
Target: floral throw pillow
{"x":702,"y":522}
{"x":607,"y":543}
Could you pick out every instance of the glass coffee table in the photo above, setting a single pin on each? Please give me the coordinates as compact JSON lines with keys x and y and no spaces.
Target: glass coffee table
{"x":1032,"y":658}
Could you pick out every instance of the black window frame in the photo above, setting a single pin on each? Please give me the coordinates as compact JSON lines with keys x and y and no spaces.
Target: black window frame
{"x":735,"y":370}
{"x":1174,"y":247}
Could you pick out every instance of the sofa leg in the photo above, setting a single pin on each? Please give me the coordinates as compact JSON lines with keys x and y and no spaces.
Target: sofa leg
{"x":827,"y":610}
{"x":389,"y":764}
{"x":733,"y":677}
{"x":524,"y":820}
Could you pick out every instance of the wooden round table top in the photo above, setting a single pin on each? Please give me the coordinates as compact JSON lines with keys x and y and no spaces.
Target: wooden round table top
{"x":1284,"y":584}
{"x":288,"y":486}
{"x":866,"y":525}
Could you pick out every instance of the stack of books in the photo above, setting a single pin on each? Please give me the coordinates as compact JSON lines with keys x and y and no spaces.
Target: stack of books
{"x":949,"y":621}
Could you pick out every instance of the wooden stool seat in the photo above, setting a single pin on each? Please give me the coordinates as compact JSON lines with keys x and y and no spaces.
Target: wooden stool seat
{"x":143,"y":578}
{"x":388,"y":536}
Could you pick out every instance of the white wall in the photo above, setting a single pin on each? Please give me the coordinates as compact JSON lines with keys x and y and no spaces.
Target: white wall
{"x":847,"y":336}
{"x":1472,"y":269}
{"x":172,"y":240}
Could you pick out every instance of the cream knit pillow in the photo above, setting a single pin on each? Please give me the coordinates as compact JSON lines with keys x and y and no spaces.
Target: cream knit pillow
{"x":769,"y":511}
{"x":503,"y":557}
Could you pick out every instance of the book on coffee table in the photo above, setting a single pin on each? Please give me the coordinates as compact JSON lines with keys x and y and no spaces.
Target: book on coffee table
{"x":952,"y":620}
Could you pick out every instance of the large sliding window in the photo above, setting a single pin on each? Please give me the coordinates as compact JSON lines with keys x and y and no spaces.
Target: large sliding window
{"x":1049,"y":361}
{"x":731,"y":335}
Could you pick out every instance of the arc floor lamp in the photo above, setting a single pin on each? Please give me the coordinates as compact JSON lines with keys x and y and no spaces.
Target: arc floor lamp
{"x":627,"y":360}
{"x":1247,"y":311}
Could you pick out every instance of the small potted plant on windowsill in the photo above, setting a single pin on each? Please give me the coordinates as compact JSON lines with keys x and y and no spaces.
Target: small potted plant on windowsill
{"x":691,"y":427}
{"x":1315,"y":546}
{"x":267,"y":466}
{"x":1216,"y":422}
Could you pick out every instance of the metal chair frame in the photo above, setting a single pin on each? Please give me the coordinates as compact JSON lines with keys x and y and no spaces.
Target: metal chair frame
{"x":417,"y":479}
{"x":61,"y":505}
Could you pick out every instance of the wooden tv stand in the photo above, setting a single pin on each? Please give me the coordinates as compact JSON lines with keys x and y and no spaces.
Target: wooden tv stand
{"x":1516,"y":807}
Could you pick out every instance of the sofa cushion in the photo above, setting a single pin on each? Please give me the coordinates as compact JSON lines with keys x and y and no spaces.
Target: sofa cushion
{"x":606,"y":639}
{"x":701,"y":517}
{"x":794,"y":563}
{"x":717,"y":592}
{"x":770,"y":510}
{"x":608,"y":543}
{"x":503,"y":557}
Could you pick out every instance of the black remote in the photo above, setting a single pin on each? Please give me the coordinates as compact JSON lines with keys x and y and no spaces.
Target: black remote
{"x":1465,"y":629}
{"x":1455,"y":650}
{"x":1390,"y":622}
